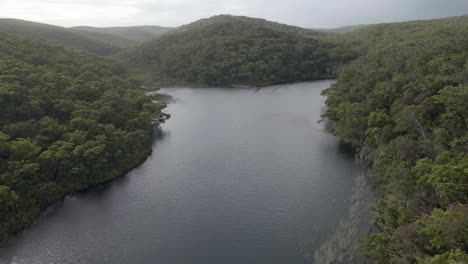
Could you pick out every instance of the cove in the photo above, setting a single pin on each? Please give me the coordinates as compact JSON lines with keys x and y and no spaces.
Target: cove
{"x":236,"y":175}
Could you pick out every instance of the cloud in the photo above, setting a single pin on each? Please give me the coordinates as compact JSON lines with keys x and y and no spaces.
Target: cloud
{"x":306,"y":13}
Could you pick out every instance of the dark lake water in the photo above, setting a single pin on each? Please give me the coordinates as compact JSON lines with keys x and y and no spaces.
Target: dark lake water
{"x":237,"y":176}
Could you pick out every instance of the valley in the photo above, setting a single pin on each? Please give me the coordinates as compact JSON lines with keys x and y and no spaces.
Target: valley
{"x":242,"y":146}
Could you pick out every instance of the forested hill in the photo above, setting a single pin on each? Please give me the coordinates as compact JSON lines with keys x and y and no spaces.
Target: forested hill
{"x":135,"y":34}
{"x":259,"y":22}
{"x":405,"y":104}
{"x":90,"y":42}
{"x":68,"y":120}
{"x":227,"y":50}
{"x":383,"y":35}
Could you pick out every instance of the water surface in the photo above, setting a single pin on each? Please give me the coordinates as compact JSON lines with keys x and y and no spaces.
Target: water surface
{"x":237,"y":176}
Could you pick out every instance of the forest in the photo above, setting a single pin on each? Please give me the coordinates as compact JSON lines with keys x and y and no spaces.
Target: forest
{"x":404,"y":104}
{"x":68,"y":121}
{"x":227,"y":50}
{"x":108,"y":41}
{"x":95,"y":43}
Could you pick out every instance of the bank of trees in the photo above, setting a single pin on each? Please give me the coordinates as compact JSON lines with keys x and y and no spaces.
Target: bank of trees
{"x":405,"y":104}
{"x":229,"y":50}
{"x":67,"y":121}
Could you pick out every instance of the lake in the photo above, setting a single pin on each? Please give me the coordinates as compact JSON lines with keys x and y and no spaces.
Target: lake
{"x":236,"y":175}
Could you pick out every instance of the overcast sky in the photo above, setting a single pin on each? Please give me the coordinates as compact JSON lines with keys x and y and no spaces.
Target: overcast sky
{"x":305,"y":13}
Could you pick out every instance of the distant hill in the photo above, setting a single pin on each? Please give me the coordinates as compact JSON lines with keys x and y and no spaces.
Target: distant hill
{"x":340,"y":30}
{"x":90,"y":42}
{"x":249,"y":20}
{"x":370,"y":37}
{"x":229,"y":50}
{"x":136,"y":33}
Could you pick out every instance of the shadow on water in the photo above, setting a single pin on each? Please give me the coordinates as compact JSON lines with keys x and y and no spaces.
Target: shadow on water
{"x":159,"y":134}
{"x":341,"y":245}
{"x":346,"y":150}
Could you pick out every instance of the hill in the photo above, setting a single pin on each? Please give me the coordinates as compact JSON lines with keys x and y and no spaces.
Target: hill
{"x":258,"y":22}
{"x":404,"y":104}
{"x":90,"y":42}
{"x":134,"y":34}
{"x":340,"y":30}
{"x":365,"y":38}
{"x":69,"y":120}
{"x":228,"y":50}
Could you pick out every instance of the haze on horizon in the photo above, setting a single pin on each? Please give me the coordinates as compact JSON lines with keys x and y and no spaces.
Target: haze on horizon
{"x":304,"y":13}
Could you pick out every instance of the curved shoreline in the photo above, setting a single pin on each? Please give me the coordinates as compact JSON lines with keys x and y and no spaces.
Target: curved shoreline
{"x":156,"y":135}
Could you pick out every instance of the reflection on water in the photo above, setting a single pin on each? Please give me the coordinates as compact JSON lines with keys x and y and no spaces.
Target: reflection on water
{"x":236,"y":176}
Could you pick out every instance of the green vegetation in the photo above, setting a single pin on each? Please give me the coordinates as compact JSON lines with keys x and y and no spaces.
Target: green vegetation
{"x":405,"y":104}
{"x":134,"y":34}
{"x":257,"y":22}
{"x":68,"y":121}
{"x":90,"y":42}
{"x":227,"y":50}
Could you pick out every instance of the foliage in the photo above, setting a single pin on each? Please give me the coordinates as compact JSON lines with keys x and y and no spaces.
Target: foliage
{"x":257,"y":22}
{"x":68,"y":121}
{"x":91,"y":42}
{"x":453,"y":257}
{"x":227,"y":50}
{"x":404,"y":103}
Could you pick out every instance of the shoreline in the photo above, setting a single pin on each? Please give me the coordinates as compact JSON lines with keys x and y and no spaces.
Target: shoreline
{"x":341,"y":246}
{"x":14,"y":235}
{"x":170,"y":85}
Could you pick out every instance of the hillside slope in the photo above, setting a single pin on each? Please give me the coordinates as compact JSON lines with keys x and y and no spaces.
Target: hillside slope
{"x":134,"y":34}
{"x":226,"y":50}
{"x":90,"y":42}
{"x":258,"y":22}
{"x":405,"y":104}
{"x":68,"y":121}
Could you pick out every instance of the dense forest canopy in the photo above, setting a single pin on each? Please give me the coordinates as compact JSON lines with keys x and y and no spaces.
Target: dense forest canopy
{"x":405,"y":103}
{"x":226,"y":50}
{"x":68,"y":120}
{"x":258,"y":22}
{"x":91,"y":42}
